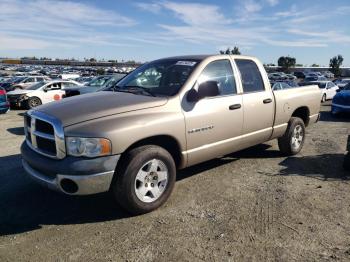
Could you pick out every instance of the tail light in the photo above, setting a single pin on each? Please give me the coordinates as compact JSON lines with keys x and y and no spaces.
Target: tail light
{"x":2,"y":92}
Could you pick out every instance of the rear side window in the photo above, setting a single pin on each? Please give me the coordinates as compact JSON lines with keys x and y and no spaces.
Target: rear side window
{"x":221,"y":72}
{"x":250,"y":75}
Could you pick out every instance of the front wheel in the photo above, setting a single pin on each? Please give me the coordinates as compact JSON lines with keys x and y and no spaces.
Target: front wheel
{"x":144,"y":180}
{"x":33,"y":102}
{"x":293,"y":139}
{"x":346,"y":163}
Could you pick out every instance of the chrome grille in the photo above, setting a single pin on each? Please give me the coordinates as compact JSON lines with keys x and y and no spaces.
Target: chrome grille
{"x":44,"y":134}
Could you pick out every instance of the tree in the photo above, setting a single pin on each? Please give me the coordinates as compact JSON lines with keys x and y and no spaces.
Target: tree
{"x":92,"y":60}
{"x":315,"y":65}
{"x":286,"y":62}
{"x":100,"y":71}
{"x":235,"y":51}
{"x":335,"y":64}
{"x":228,"y":51}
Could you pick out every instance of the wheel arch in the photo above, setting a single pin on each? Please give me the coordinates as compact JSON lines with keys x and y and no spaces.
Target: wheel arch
{"x":302,"y":112}
{"x":167,"y":142}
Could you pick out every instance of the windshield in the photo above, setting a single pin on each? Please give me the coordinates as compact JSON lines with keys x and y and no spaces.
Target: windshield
{"x":36,"y":86}
{"x":347,"y":87}
{"x":160,"y":78}
{"x":99,"y":81}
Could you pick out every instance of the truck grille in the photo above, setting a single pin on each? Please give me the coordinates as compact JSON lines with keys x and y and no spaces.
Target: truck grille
{"x":44,"y":134}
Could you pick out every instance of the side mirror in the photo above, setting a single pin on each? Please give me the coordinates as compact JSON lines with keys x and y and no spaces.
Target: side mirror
{"x":205,"y":89}
{"x":338,"y":90}
{"x":45,"y":90}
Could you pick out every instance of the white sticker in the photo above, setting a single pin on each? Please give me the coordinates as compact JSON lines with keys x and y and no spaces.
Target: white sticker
{"x":186,"y":63}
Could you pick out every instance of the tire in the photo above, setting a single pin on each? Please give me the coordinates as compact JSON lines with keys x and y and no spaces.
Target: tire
{"x":134,"y":182}
{"x":324,"y":98}
{"x":33,"y":102}
{"x":346,"y":163}
{"x":293,"y":139}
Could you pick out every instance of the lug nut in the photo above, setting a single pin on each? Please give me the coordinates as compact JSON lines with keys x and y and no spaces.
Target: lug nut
{"x":155,"y":177}
{"x":146,"y":185}
{"x":152,"y":185}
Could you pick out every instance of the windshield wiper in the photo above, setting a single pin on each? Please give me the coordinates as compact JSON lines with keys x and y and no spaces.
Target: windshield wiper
{"x":132,"y":89}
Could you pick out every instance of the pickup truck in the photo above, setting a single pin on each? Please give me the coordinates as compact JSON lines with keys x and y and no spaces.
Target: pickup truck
{"x":166,"y":115}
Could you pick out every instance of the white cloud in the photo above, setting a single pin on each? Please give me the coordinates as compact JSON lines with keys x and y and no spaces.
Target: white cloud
{"x":252,"y":6}
{"x":150,"y":7}
{"x":272,"y":2}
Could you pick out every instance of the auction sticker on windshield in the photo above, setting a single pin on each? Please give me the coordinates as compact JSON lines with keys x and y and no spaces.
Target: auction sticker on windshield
{"x":186,"y":63}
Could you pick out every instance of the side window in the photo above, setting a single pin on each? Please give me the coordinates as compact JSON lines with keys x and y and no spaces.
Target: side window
{"x":330,"y":85}
{"x":221,"y":72}
{"x":250,"y":75}
{"x":276,"y":86}
{"x":284,"y":85}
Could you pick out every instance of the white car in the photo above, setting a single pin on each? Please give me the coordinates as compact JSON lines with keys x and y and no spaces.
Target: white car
{"x":328,"y":89}
{"x":40,"y":93}
{"x":342,"y":82}
{"x":28,"y":81}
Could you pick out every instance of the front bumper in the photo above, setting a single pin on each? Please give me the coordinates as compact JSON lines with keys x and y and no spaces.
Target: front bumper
{"x":71,"y":175}
{"x":337,"y":108}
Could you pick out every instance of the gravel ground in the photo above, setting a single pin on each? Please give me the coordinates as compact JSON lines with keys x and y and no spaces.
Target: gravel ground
{"x":254,"y":205}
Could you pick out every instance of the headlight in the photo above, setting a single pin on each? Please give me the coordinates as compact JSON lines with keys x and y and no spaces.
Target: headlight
{"x":89,"y":147}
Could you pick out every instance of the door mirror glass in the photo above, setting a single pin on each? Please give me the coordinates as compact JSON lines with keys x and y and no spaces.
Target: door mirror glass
{"x":205,"y":89}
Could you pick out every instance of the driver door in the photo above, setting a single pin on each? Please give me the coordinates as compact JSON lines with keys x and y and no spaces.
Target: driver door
{"x":214,"y":123}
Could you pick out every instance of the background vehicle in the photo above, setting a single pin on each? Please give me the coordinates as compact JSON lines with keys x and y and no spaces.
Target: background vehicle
{"x":4,"y":103}
{"x":40,"y":93}
{"x":166,"y":115}
{"x":299,"y":74}
{"x":24,"y":82}
{"x":97,"y":84}
{"x":283,"y":85}
{"x":328,"y":74}
{"x":341,"y":101}
{"x":328,"y":89}
{"x":342,"y":82}
{"x":314,"y":78}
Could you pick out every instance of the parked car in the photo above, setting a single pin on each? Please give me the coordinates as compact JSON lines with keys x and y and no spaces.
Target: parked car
{"x":130,"y":141}
{"x":342,"y":82}
{"x":328,"y":89}
{"x":283,"y":85}
{"x":341,"y":101}
{"x":108,"y":81}
{"x":4,"y":103}
{"x":314,"y":78}
{"x":277,"y":76}
{"x":40,"y":93}
{"x":328,"y":74}
{"x":299,"y":74}
{"x":26,"y":81}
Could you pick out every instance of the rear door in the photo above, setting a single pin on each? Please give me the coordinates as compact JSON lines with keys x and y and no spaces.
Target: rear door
{"x":258,"y":102}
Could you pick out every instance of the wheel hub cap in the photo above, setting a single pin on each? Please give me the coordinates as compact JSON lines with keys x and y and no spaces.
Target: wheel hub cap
{"x":151,"y":181}
{"x":297,"y":138}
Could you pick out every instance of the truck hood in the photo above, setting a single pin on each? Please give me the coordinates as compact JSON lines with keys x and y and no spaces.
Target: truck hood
{"x":77,"y":109}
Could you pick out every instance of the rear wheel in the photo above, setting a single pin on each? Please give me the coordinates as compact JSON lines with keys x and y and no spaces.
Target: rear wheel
{"x":33,"y":102}
{"x":293,"y":140}
{"x":144,"y":179}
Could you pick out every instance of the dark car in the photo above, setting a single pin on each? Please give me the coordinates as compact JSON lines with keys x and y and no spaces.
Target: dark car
{"x":341,"y":101}
{"x":96,"y":84}
{"x":4,"y":103}
{"x":299,"y":74}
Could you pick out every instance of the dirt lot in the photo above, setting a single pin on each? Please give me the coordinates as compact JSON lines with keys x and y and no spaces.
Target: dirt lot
{"x":253,"y":205}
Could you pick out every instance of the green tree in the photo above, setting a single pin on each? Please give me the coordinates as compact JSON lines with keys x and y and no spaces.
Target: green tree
{"x":335,"y":64}
{"x":286,"y":62}
{"x":315,"y":65}
{"x":235,"y":51}
{"x":228,"y":51}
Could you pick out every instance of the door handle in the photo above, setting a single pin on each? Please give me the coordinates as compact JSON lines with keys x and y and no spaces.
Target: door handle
{"x":267,"y":101}
{"x":234,"y":107}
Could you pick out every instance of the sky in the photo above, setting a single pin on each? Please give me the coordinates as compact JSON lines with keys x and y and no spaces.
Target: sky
{"x":311,"y":31}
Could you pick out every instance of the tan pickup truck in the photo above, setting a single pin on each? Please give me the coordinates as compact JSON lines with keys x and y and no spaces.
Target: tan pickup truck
{"x":166,"y":115}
